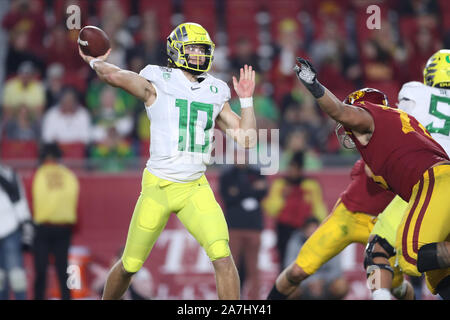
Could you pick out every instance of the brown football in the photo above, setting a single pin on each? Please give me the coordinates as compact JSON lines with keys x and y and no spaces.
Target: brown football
{"x":93,"y":41}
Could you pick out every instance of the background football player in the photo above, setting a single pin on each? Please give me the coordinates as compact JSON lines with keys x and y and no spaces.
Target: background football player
{"x":429,"y":103}
{"x":351,"y":220}
{"x":183,"y":102}
{"x":402,"y":157}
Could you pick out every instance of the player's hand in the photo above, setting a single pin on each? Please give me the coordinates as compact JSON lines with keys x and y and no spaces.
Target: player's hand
{"x":89,"y":58}
{"x":246,"y":84}
{"x":305,"y":71}
{"x":308,"y":76}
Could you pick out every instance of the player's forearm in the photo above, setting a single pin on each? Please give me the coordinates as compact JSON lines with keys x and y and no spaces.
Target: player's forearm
{"x":124,"y":79}
{"x":331,"y":105}
{"x":247,"y":135}
{"x":107,"y":72}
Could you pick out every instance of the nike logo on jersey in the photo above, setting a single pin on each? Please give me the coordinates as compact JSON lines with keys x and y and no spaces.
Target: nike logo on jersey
{"x":195,"y":88}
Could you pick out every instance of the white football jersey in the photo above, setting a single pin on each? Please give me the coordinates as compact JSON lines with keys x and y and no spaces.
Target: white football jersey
{"x":431,"y":107}
{"x":182,"y":122}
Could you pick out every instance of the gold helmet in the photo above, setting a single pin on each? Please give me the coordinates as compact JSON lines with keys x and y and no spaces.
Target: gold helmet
{"x":437,"y":70}
{"x":190,"y":34}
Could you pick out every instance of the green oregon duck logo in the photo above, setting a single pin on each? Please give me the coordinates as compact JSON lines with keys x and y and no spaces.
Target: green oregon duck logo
{"x":213,"y":89}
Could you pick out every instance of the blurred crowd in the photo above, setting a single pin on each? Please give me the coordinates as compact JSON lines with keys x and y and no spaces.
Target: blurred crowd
{"x":50,"y":95}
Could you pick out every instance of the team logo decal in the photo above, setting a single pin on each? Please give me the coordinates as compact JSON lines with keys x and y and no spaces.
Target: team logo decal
{"x":214,"y":89}
{"x":355,"y":96}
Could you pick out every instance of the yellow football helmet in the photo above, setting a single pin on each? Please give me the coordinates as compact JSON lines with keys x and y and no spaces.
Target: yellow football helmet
{"x":190,"y":34}
{"x":437,"y":70}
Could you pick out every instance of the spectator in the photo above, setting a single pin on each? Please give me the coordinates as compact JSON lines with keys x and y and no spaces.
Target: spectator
{"x":113,"y":21}
{"x":113,"y":153}
{"x":68,"y":121}
{"x":328,"y":282}
{"x":112,"y":111}
{"x":55,"y":191}
{"x":151,"y":50}
{"x":423,"y":46}
{"x":328,"y":44}
{"x":291,"y":200}
{"x":382,"y":56}
{"x":15,"y":230}
{"x":27,"y":16}
{"x":245,"y":54}
{"x":242,"y":188}
{"x":24,"y":90}
{"x":22,"y":126}
{"x":54,"y":84}
{"x":419,"y":8}
{"x":289,"y":44}
{"x":300,"y":113}
{"x":297,"y":141}
{"x":63,"y":50}
{"x":18,"y":52}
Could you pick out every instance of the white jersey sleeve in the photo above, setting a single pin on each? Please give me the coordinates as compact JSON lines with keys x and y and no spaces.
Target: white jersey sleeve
{"x":431,"y":107}
{"x":182,"y":122}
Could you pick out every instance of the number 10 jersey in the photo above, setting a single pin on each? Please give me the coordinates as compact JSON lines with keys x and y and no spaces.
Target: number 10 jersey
{"x":182,"y":120}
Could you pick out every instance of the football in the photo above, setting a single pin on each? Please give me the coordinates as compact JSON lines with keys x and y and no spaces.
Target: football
{"x":93,"y":41}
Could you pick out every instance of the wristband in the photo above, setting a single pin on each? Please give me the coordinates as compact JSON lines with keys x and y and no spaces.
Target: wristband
{"x":316,"y":89}
{"x":91,"y":63}
{"x":246,"y":102}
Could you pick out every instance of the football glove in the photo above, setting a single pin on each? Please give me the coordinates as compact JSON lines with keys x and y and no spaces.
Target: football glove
{"x":308,"y":76}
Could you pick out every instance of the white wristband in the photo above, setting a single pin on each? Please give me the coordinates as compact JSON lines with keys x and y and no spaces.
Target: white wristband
{"x":91,"y":63}
{"x":246,"y":102}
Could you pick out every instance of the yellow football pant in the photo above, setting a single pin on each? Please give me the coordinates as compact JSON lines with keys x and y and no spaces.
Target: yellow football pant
{"x":426,"y":220}
{"x":193,"y":203}
{"x":386,"y":227}
{"x":341,"y":228}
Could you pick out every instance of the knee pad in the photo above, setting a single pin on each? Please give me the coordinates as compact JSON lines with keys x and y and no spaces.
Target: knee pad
{"x":131,"y":265}
{"x":217,"y":250}
{"x":427,"y":258}
{"x":18,"y":279}
{"x":2,"y":279}
{"x":369,"y":265}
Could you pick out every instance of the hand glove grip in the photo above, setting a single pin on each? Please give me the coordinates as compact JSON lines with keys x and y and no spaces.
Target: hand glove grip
{"x":308,"y":76}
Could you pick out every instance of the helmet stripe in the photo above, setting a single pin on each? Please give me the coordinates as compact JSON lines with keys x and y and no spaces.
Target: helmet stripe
{"x":185,"y":34}
{"x":179,"y":36}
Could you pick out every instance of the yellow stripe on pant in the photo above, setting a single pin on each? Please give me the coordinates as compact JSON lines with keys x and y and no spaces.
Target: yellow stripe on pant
{"x":193,"y":203}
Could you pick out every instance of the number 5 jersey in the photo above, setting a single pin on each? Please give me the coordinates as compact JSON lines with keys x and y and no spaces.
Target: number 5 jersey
{"x":431,"y":107}
{"x":182,"y":122}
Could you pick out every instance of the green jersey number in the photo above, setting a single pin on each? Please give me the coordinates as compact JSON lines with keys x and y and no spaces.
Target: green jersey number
{"x":445,"y":130}
{"x":189,"y":127}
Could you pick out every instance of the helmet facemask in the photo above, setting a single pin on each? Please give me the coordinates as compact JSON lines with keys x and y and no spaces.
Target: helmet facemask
{"x":190,"y":34}
{"x":343,"y":137}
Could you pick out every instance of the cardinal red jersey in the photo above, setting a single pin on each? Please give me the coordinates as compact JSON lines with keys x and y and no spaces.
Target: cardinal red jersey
{"x":363,"y":194}
{"x":400,"y":149}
